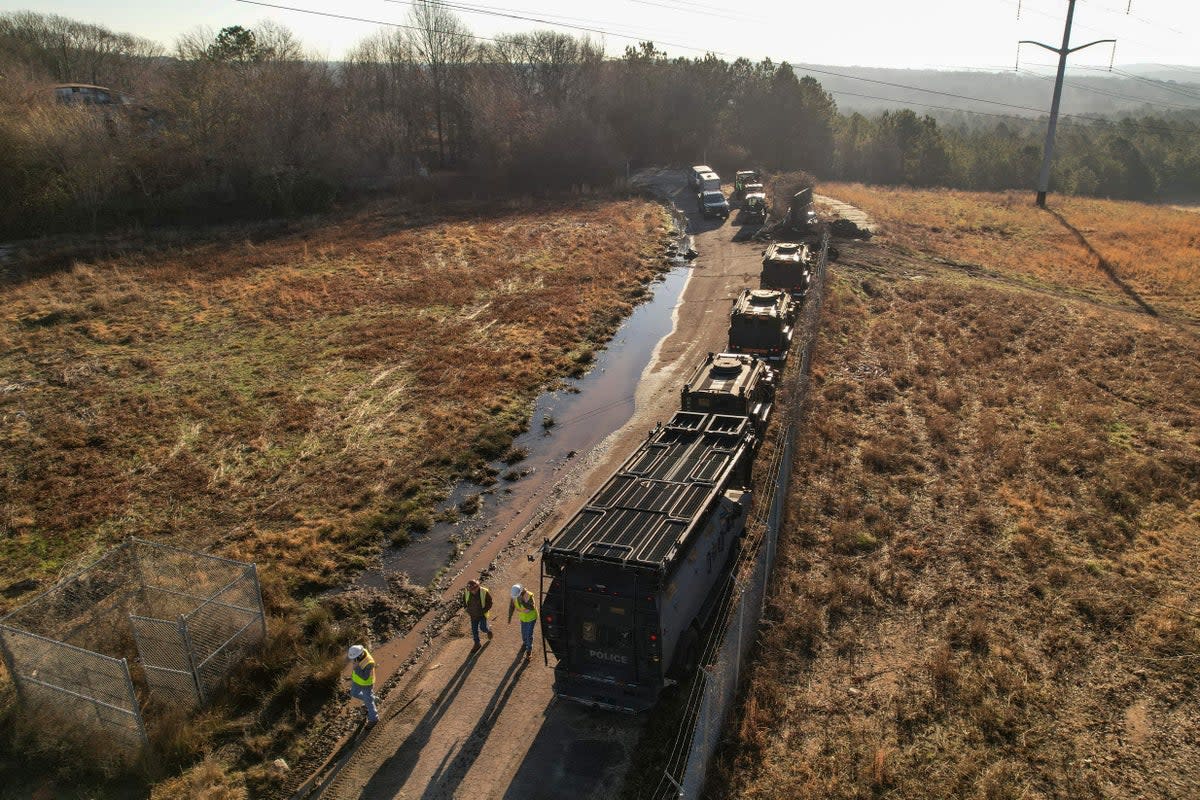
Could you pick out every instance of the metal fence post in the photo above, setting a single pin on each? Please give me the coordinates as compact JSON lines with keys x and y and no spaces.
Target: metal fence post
{"x":133,"y":704}
{"x":701,"y":717}
{"x":191,"y":659}
{"x":262,"y":610}
{"x":18,"y":684}
{"x":737,"y":662}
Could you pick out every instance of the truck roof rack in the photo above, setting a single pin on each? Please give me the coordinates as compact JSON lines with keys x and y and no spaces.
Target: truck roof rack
{"x":643,"y":515}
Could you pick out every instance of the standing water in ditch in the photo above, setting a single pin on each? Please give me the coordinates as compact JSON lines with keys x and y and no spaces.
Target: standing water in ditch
{"x":575,"y":417}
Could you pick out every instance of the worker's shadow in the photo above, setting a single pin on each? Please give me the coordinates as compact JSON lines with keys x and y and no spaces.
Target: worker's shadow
{"x":392,"y":774}
{"x":1104,"y":264}
{"x":448,"y":777}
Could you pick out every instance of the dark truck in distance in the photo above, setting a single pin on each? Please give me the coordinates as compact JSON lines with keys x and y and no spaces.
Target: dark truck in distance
{"x":732,"y":383}
{"x":635,"y":575}
{"x":713,"y":204}
{"x":761,"y":323}
{"x":787,"y":266}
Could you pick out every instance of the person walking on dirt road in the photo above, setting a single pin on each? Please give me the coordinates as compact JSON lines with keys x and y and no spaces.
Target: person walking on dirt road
{"x":362,"y":680}
{"x":522,"y":603}
{"x":478,"y":602}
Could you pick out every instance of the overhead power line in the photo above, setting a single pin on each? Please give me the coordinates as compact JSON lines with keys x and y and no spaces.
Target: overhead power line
{"x":1092,"y":122}
{"x":930,"y":105}
{"x":556,"y":17}
{"x":703,"y":11}
{"x":538,"y":20}
{"x":1178,"y":68}
{"x":331,"y":15}
{"x":920,"y":89}
{"x":1097,"y":90}
{"x":1126,"y":12}
{"x":602,"y":31}
{"x":1160,"y":84}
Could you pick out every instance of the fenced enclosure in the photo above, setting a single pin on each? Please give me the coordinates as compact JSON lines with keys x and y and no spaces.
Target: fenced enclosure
{"x":188,"y":617}
{"x":715,"y":686}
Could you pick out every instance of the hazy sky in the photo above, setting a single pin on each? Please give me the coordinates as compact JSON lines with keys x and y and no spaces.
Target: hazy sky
{"x":912,"y":33}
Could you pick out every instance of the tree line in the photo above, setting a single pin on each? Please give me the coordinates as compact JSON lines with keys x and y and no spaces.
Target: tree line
{"x":243,"y":123}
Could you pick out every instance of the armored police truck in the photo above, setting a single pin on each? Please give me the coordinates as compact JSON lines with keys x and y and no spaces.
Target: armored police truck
{"x":787,"y":266}
{"x":630,"y":581}
{"x":761,"y":322}
{"x":732,"y":383}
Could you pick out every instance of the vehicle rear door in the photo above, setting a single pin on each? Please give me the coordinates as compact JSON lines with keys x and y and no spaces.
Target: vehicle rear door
{"x":602,"y":637}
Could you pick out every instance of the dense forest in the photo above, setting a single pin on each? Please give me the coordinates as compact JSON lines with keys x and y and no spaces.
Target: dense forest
{"x":242,"y":123}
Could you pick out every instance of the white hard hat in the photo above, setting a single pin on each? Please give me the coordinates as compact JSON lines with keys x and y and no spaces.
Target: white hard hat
{"x":355,"y":651}
{"x":516,"y":590}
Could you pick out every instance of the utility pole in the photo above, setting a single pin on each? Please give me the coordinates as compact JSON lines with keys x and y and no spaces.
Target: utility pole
{"x":1063,"y":52}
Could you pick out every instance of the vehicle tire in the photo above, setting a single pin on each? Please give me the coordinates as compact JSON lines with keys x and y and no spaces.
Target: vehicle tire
{"x":687,"y":653}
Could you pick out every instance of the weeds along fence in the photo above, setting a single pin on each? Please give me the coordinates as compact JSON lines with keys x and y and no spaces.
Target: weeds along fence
{"x":188,"y":616}
{"x":714,"y":689}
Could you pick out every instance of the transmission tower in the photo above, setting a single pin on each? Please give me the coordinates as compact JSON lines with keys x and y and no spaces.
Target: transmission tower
{"x":1063,"y":52}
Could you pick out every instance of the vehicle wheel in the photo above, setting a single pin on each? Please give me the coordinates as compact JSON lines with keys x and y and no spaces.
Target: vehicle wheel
{"x":689,"y":653}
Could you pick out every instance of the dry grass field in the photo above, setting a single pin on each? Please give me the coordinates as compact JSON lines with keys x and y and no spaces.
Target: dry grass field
{"x":296,"y":398}
{"x":1086,"y":246}
{"x":988,"y":582}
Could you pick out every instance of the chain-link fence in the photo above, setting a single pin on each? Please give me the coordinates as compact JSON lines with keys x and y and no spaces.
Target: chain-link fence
{"x":715,"y":687}
{"x":188,"y":616}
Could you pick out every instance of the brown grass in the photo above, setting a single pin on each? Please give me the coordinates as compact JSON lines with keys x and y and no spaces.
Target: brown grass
{"x":1021,"y":620}
{"x":277,"y":396}
{"x":296,"y":398}
{"x":1089,"y":246}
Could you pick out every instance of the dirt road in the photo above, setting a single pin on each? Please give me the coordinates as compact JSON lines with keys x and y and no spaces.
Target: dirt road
{"x":488,"y":726}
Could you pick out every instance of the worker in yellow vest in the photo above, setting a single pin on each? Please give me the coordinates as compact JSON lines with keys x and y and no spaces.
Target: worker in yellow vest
{"x":478,"y":604}
{"x":522,"y":603}
{"x":362,"y":680}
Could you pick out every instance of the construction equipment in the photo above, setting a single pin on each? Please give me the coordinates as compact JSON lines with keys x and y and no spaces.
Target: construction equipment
{"x":802,"y":217}
{"x":754,"y":202}
{"x":743,"y":178}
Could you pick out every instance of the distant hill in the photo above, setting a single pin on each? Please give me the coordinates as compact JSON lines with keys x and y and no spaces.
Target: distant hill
{"x":1141,"y":89}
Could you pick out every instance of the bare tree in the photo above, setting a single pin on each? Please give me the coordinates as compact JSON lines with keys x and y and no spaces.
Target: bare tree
{"x":551,"y":68}
{"x":72,"y":51}
{"x":534,"y":99}
{"x":384,"y":97}
{"x":444,"y":46}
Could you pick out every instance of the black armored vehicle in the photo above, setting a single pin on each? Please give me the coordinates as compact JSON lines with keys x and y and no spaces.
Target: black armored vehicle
{"x":761,"y":323}
{"x":732,"y":383}
{"x":787,"y":266}
{"x":634,"y":577}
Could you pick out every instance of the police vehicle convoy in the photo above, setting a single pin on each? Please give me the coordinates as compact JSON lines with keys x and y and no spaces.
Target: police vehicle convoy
{"x":631,"y":581}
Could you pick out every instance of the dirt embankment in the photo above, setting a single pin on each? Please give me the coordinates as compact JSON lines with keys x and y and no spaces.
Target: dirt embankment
{"x":989,"y":584}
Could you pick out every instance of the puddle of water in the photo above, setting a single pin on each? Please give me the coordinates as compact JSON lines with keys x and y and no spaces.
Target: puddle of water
{"x":584,"y":412}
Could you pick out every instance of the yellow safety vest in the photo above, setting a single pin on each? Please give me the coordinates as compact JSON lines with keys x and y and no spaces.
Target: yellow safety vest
{"x":366,"y":678}
{"x":525,"y":613}
{"x":483,"y":596}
